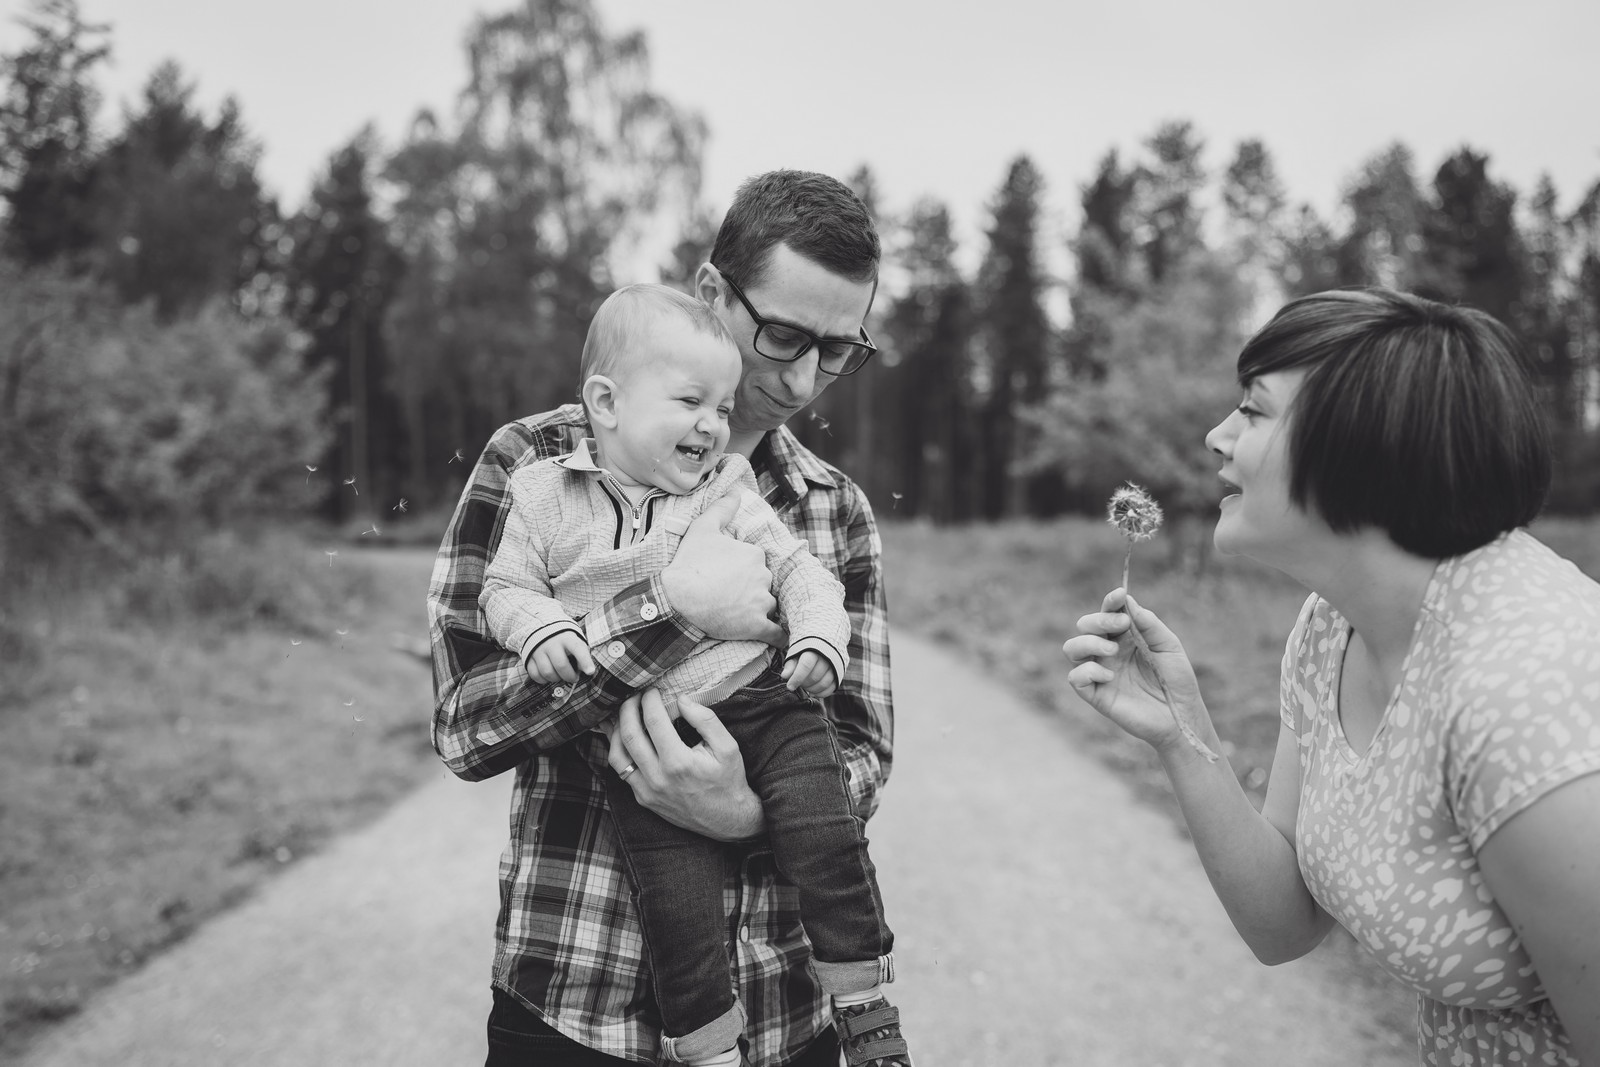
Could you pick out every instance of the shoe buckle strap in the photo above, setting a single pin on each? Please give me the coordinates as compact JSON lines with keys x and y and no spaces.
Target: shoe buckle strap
{"x":868,"y":1021}
{"x":882,"y":1049}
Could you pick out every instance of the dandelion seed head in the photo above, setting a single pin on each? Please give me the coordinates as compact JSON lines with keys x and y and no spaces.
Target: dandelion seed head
{"x":1134,"y":512}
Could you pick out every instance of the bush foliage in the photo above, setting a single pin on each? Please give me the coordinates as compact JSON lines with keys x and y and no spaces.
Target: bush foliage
{"x":113,"y":419}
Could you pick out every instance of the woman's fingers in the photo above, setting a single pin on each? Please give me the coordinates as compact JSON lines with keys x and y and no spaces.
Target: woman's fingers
{"x":1156,"y":633}
{"x":1089,"y":675}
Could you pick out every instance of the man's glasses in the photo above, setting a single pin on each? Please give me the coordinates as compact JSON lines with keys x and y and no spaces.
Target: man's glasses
{"x":786,"y":342}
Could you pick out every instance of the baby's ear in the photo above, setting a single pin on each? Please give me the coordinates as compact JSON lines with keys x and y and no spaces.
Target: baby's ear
{"x":600,"y":400}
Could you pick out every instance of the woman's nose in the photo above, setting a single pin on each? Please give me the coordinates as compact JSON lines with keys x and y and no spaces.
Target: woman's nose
{"x":1218,"y":436}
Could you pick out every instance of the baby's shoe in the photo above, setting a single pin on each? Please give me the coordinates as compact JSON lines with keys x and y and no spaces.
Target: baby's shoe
{"x":869,"y":1035}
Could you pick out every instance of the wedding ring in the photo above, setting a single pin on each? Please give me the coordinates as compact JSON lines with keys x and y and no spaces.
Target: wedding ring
{"x":629,"y":769}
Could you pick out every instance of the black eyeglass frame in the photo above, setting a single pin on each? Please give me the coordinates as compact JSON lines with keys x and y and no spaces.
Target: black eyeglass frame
{"x":812,"y":340}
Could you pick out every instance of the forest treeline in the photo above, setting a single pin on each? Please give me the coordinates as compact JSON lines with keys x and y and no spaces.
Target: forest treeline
{"x":176,"y":350}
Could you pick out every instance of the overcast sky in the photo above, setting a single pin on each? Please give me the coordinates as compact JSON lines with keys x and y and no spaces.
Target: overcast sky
{"x":939,"y":98}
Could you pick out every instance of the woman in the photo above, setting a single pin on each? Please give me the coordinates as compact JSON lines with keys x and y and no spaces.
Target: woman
{"x":1435,"y":787}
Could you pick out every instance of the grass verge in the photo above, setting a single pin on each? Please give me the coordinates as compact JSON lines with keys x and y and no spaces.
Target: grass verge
{"x":180,"y":728}
{"x":1006,"y":596}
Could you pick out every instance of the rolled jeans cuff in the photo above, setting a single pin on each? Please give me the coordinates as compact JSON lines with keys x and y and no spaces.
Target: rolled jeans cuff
{"x":718,"y":1035}
{"x":841,"y":978}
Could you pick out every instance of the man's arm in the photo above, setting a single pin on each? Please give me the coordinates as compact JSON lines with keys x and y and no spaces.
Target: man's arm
{"x":811,"y":598}
{"x":862,"y":708}
{"x":488,"y":715}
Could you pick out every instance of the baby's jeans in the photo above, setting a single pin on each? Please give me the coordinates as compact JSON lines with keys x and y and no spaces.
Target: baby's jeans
{"x":791,"y":757}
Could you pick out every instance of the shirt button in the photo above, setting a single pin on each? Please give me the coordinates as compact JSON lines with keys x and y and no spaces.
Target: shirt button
{"x":744,"y":934}
{"x":559,"y":691}
{"x":615,"y":649}
{"x":649,"y":612}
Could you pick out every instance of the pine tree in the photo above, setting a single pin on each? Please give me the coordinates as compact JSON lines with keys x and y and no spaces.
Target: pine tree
{"x":1384,"y":244}
{"x":179,"y":214}
{"x":47,"y":140}
{"x":1015,"y":342}
{"x":1167,"y":209}
{"x":929,"y":330}
{"x":341,"y":275}
{"x":1472,"y":251}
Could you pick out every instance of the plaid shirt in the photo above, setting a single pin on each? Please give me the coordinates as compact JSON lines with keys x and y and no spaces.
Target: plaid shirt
{"x":568,"y":941}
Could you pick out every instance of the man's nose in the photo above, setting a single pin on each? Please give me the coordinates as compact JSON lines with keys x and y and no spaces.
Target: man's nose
{"x":800,"y":375}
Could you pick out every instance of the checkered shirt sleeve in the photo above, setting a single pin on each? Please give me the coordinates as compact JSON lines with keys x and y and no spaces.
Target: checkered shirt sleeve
{"x":488,"y":715}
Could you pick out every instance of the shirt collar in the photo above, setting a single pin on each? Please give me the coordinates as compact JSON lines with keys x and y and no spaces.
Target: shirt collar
{"x":581,"y":458}
{"x":792,"y":464}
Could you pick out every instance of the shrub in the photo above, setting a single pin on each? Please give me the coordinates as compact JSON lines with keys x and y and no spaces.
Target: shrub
{"x":109,"y":418}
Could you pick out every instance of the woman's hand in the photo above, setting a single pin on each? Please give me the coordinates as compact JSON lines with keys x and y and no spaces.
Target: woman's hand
{"x":1111,"y":675}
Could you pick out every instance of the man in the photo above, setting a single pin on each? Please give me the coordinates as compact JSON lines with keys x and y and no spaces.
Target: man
{"x":792,"y":274}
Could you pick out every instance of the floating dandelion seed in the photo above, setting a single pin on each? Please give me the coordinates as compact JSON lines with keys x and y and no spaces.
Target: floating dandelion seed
{"x":311,"y":468}
{"x":822,"y":424}
{"x":350,"y":703}
{"x":330,"y":553}
{"x":401,"y":507}
{"x":343,"y":631}
{"x":295,"y":641}
{"x":351,"y":482}
{"x":1136,"y":514}
{"x":373,"y":530}
{"x":458,"y":457}
{"x":897,"y":498}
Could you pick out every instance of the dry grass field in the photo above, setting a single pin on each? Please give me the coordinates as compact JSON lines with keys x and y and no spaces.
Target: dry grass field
{"x":177,"y":733}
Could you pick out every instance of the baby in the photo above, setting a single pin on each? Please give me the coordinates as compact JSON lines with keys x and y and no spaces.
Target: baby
{"x":659,"y":375}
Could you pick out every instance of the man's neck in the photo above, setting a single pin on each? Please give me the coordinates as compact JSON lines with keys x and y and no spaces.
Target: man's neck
{"x":745,"y":442}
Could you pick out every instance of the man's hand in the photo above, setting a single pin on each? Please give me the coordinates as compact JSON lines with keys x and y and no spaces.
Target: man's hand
{"x":561,"y":658}
{"x":703,"y":788}
{"x":721,"y":584}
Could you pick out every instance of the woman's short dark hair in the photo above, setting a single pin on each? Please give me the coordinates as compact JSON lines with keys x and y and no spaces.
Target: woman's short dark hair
{"x":815,"y":215}
{"x":1415,"y":417}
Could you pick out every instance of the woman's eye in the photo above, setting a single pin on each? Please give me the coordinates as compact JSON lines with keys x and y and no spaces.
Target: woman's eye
{"x":1248,"y":412}
{"x":691,"y":401}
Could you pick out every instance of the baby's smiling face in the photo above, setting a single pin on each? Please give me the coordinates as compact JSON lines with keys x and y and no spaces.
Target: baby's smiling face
{"x":672,"y":408}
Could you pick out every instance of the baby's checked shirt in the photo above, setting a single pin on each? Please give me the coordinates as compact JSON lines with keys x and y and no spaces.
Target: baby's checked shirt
{"x":573,"y":540}
{"x":567,"y":941}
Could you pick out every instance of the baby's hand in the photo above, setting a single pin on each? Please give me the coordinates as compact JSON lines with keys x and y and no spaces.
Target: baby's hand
{"x":560,"y":659}
{"x":811,"y":673}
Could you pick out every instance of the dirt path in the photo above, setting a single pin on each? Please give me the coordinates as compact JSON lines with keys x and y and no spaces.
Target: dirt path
{"x":1043,"y":917}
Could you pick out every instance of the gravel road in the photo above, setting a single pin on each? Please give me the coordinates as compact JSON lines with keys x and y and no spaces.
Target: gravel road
{"x":1042,"y":917}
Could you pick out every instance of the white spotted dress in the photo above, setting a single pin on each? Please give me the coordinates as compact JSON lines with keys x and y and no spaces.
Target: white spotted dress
{"x":1498,"y":704}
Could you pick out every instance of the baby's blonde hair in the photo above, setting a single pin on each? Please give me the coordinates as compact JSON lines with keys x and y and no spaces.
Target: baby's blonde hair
{"x":623,"y":320}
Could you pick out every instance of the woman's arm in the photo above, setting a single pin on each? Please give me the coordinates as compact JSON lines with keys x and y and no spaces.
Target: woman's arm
{"x":1247,"y":855}
{"x":1543,"y":867}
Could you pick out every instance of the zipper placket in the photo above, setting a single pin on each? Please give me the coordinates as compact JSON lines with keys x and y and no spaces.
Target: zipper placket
{"x":637,"y":510}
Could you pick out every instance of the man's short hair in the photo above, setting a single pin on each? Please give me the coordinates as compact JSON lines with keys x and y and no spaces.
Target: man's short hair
{"x":1415,"y":417}
{"x":625,"y":318}
{"x":815,"y":215}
